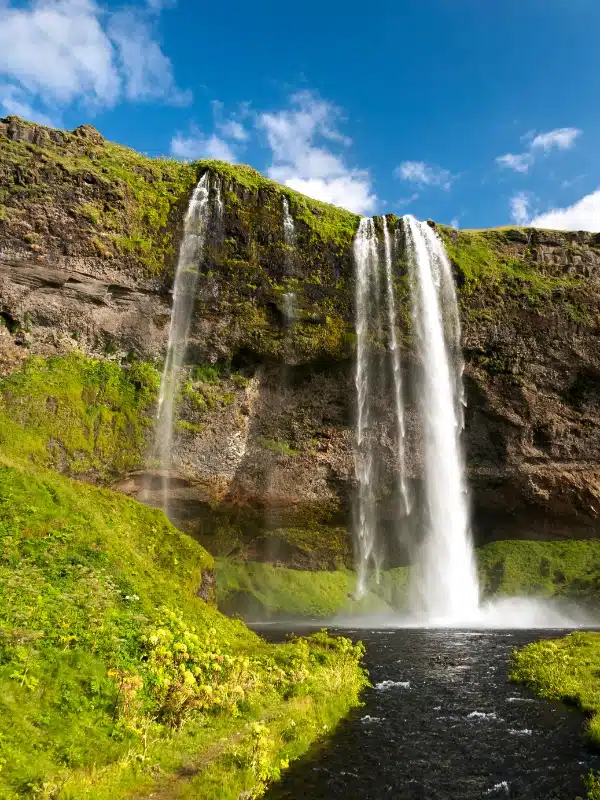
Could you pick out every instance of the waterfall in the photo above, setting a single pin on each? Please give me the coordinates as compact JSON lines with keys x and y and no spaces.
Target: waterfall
{"x":195,"y":226}
{"x":289,"y":231}
{"x":445,"y":585}
{"x":366,"y":261}
{"x":396,"y":367}
{"x":289,"y":302}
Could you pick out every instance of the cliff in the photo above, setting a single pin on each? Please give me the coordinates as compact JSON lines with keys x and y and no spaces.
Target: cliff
{"x":263,"y":467}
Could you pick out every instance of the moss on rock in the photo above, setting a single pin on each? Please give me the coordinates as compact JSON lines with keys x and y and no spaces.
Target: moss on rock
{"x":79,"y":415}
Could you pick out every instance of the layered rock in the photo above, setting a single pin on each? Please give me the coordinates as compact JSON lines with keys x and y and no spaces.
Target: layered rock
{"x":264,"y":465}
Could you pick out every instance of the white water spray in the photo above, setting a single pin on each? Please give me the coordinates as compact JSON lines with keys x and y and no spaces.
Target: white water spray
{"x":445,"y":586}
{"x":184,"y":290}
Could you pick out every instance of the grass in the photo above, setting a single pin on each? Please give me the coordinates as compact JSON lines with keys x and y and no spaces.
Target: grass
{"x":258,"y":590}
{"x":566,"y":669}
{"x":115,"y":676}
{"x":78,"y":414}
{"x":113,"y":671}
{"x":568,"y":569}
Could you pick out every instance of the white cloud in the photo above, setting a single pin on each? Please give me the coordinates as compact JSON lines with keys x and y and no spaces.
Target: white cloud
{"x":197,"y":145}
{"x":581,"y":216}
{"x":56,"y":52}
{"x":406,"y":201}
{"x":145,"y":70}
{"x":299,"y":138}
{"x":455,"y":223}
{"x":232,"y":129}
{"x":231,"y":126}
{"x":561,"y":139}
{"x":519,"y":162}
{"x":544,"y":143}
{"x":13,"y":101}
{"x":519,"y":208}
{"x":424,"y":174}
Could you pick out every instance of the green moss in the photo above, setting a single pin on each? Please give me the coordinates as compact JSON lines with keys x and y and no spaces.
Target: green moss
{"x":331,"y":224}
{"x":189,"y":427}
{"x":283,"y":448}
{"x":568,"y":568}
{"x":141,"y":196}
{"x":257,"y":591}
{"x":78,"y":414}
{"x":317,"y":547}
{"x":488,"y":268}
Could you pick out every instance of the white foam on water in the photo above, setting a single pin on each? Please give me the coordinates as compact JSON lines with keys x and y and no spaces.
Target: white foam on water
{"x":482,"y":715}
{"x":499,"y":787}
{"x":383,"y":685}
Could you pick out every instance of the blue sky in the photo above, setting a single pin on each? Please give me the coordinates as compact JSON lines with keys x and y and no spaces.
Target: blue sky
{"x":467,"y":111}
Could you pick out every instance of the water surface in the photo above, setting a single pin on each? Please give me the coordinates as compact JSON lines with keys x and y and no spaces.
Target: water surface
{"x":442,"y":721}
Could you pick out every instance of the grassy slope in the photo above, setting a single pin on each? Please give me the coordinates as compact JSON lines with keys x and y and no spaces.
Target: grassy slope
{"x":566,"y":669}
{"x":113,"y":672}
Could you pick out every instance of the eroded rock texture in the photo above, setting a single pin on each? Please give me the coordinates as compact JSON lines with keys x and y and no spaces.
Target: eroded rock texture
{"x":264,"y":465}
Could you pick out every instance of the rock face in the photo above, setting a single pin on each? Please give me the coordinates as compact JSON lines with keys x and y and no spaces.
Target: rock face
{"x":264,"y":465}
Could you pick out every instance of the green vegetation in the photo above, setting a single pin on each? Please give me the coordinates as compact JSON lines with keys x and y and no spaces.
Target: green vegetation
{"x":78,"y":414}
{"x":329,"y":223}
{"x":115,"y":677}
{"x":113,"y":674}
{"x":282,"y":448}
{"x":488,"y":266}
{"x":257,"y":590}
{"x":567,"y":568}
{"x":125,"y":202}
{"x":566,"y":669}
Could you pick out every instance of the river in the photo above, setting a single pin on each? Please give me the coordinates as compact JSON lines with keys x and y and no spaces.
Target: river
{"x":442,"y":721}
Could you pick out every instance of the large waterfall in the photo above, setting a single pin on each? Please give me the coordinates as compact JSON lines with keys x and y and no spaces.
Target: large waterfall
{"x":444,"y":580}
{"x":195,"y":226}
{"x":365,"y":256}
{"x":370,"y":380}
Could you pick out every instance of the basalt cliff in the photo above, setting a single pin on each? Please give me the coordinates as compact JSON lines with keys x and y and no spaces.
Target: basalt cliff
{"x":263,"y":465}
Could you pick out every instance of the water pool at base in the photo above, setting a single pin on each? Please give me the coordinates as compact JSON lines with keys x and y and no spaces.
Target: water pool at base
{"x":442,"y":722}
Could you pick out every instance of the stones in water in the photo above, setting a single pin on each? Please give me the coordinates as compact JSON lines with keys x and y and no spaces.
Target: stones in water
{"x":444,"y":586}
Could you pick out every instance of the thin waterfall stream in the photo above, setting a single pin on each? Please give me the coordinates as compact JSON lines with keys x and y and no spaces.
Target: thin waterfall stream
{"x":195,"y":227}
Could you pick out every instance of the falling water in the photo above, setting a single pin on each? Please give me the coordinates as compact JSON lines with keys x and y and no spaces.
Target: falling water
{"x":186,"y":277}
{"x":396,"y":367}
{"x":289,"y":231}
{"x":366,"y":261}
{"x":445,"y":586}
{"x":289,"y":237}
